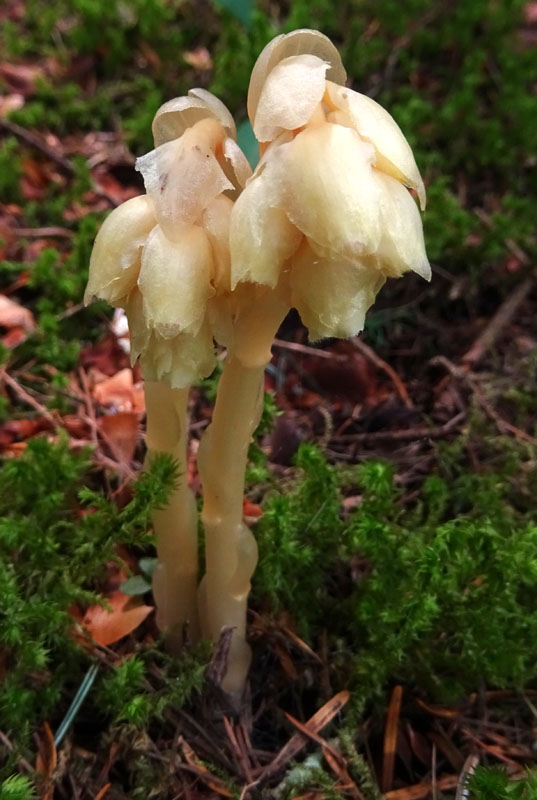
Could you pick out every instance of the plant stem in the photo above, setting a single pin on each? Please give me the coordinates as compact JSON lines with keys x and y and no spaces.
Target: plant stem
{"x":231,"y":549}
{"x":176,"y":526}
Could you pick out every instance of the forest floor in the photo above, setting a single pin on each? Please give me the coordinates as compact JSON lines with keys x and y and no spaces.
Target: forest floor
{"x":391,"y":485}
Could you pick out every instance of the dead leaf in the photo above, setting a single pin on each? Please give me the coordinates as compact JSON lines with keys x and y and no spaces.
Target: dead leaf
{"x":200,"y":58}
{"x":530,"y":13}
{"x":120,"y":431}
{"x":109,"y":626}
{"x":120,"y":392}
{"x":10,"y":102}
{"x":13,"y":315}
{"x":21,"y":77}
{"x":251,"y":510}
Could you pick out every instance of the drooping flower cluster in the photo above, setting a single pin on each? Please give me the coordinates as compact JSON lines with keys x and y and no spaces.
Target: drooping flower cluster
{"x":328,"y":211}
{"x":163,"y":256}
{"x":212,"y":252}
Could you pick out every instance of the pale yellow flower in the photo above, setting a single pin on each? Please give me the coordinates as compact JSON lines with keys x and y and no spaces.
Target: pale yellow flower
{"x":329,"y":208}
{"x":164,"y":255}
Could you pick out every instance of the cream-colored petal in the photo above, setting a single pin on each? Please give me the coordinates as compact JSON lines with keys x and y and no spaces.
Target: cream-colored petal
{"x":401,"y":247}
{"x":216,"y":221}
{"x":332,"y":296}
{"x":289,"y":96}
{"x":182,"y":177}
{"x":115,"y":258}
{"x":300,"y":42}
{"x":139,"y":332}
{"x":181,"y":361}
{"x":374,"y":124}
{"x":176,"y":116}
{"x":261,"y":236}
{"x":175,"y":281}
{"x":220,"y":110}
{"x":238,"y":161}
{"x":328,"y":189}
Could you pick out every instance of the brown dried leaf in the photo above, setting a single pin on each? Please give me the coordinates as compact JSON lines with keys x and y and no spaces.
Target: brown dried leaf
{"x":120,"y":393}
{"x":13,"y":315}
{"x":109,"y":626}
{"x":200,"y":58}
{"x":120,"y":432}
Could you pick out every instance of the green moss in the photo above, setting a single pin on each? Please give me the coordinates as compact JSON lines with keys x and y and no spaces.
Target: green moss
{"x":53,"y":554}
{"x":443,"y":596}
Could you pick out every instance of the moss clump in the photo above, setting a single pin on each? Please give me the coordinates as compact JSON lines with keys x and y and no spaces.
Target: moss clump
{"x":442,"y":596}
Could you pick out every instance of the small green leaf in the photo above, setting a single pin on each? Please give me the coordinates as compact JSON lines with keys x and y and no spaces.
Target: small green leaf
{"x":147,"y":565}
{"x":135,"y":585}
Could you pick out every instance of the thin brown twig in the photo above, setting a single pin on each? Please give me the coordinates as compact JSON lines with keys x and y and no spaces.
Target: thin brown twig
{"x":502,"y":424}
{"x":298,"y":741}
{"x":405,"y":434}
{"x":38,"y":233}
{"x":501,"y":318}
{"x":306,"y":350}
{"x":390,"y":738}
{"x":27,"y":398}
{"x":422,"y":790}
{"x":37,"y":143}
{"x":378,"y":362}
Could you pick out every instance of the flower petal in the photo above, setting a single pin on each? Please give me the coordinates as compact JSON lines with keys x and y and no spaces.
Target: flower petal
{"x":299,"y":42}
{"x":174,"y":117}
{"x":374,"y":124}
{"x":182,"y":177}
{"x":261,"y":237}
{"x":239,"y":163}
{"x":332,"y":296}
{"x":215,"y":221}
{"x":289,"y":96}
{"x":115,"y":258}
{"x":328,"y":189}
{"x":401,"y":246}
{"x":175,"y":281}
{"x":181,"y":361}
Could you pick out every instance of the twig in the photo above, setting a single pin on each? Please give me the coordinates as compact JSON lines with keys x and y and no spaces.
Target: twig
{"x":404,"y":434}
{"x":298,"y":741}
{"x":44,"y":232}
{"x":501,"y":318}
{"x":378,"y":362}
{"x":37,"y":143}
{"x":422,"y":790}
{"x":390,"y":738}
{"x":502,"y":424}
{"x":468,"y":769}
{"x":27,"y":398}
{"x":306,"y":350}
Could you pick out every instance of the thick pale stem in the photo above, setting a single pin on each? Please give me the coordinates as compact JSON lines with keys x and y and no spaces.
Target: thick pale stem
{"x":231,"y":549}
{"x":176,"y":526}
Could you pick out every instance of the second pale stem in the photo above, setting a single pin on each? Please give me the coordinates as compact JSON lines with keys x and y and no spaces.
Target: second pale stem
{"x":231,"y":549}
{"x":176,"y":526}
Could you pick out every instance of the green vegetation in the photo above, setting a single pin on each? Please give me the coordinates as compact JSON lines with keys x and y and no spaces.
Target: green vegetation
{"x":436,"y":592}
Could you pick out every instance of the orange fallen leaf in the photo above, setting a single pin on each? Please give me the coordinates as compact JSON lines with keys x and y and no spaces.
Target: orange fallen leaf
{"x":200,"y":58}
{"x":120,"y":432}
{"x":251,"y":509}
{"x":109,"y":626}
{"x":13,"y":315}
{"x":120,"y":392}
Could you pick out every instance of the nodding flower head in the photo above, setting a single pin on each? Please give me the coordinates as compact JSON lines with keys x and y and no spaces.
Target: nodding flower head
{"x":328,"y":209}
{"x":165,"y":254}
